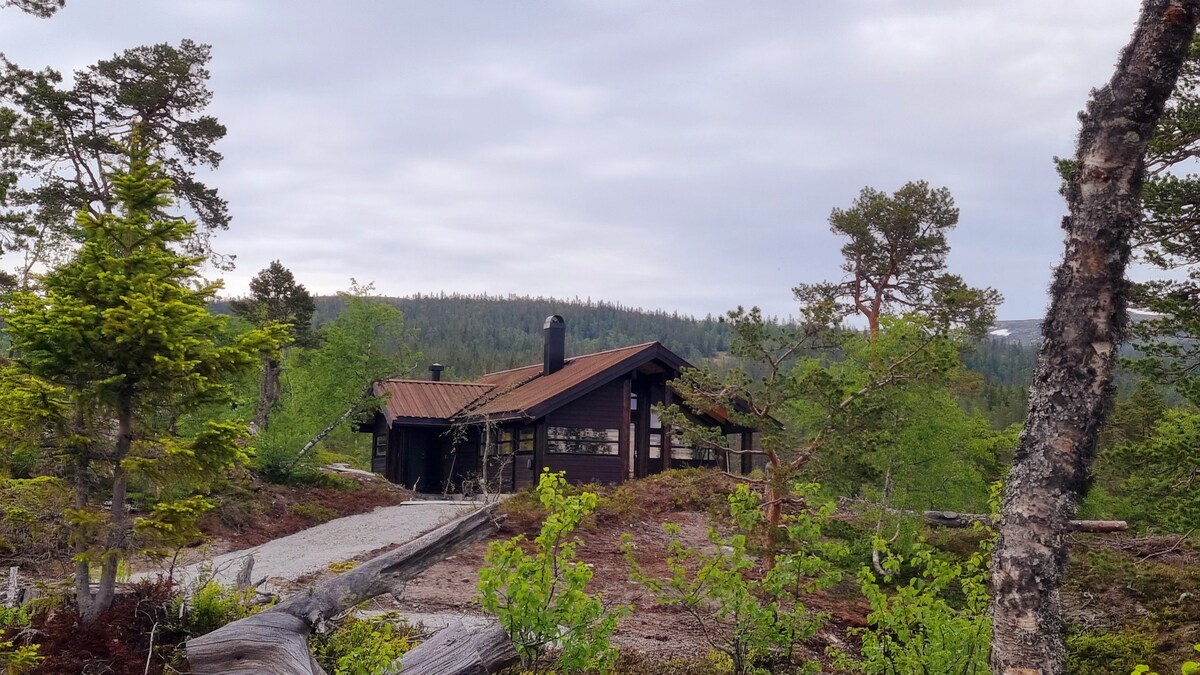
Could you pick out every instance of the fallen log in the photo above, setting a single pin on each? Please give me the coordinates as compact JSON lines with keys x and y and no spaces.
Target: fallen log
{"x":458,"y":650}
{"x":276,"y":640}
{"x":955,"y":519}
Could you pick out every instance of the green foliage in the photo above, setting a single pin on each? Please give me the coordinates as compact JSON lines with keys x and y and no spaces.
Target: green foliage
{"x":59,"y":136}
{"x":540,"y":596}
{"x":32,"y":518}
{"x":123,"y":332}
{"x":17,"y":654}
{"x":1152,"y":475}
{"x":894,"y":260}
{"x":936,"y":622}
{"x":363,"y":646}
{"x":275,"y":297}
{"x":211,"y":606}
{"x":330,"y":385}
{"x":755,"y":616}
{"x":1097,"y":652}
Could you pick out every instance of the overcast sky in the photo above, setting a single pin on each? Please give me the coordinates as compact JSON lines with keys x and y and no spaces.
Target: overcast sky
{"x":670,"y":155}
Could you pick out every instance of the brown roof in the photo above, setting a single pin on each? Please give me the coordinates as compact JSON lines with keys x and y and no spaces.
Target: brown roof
{"x":543,"y":388}
{"x":427,"y":399}
{"x":519,"y":392}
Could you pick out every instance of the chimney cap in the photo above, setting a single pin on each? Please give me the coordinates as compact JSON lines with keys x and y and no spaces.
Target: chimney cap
{"x":554,"y":320}
{"x":436,"y":366}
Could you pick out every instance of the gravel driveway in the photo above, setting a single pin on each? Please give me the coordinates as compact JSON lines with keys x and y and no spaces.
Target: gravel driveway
{"x":312,"y":550}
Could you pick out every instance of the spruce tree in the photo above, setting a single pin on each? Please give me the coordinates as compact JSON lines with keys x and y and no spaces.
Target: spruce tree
{"x":123,"y":331}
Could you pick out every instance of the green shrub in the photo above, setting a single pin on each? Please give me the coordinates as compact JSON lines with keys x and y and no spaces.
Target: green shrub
{"x":936,"y":622}
{"x":755,"y":616}
{"x":314,"y":512}
{"x":32,"y":515}
{"x":17,"y":654}
{"x":211,"y":606}
{"x":539,"y":597}
{"x":363,"y":646}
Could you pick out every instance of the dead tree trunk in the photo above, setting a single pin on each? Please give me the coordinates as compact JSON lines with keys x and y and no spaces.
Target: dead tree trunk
{"x":459,"y":650}
{"x":276,"y":641}
{"x":1072,"y":386}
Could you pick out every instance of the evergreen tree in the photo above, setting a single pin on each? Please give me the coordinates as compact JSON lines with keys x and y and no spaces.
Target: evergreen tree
{"x":275,"y":297}
{"x":895,"y":262}
{"x":56,"y":142}
{"x":123,"y":333}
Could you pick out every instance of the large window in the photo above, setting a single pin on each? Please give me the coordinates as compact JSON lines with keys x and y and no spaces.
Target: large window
{"x":680,"y":450}
{"x":501,"y":442}
{"x":582,"y":441}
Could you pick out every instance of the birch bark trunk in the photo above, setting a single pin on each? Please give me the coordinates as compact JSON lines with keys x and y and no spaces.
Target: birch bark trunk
{"x":1072,"y":386}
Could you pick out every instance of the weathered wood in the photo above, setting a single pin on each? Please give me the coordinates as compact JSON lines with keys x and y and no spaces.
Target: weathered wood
{"x":273,"y":641}
{"x":458,"y":650}
{"x":270,"y":642}
{"x":955,"y":519}
{"x":1072,"y":389}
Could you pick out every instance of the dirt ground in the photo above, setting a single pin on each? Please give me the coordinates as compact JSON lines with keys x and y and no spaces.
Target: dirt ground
{"x":447,"y":590}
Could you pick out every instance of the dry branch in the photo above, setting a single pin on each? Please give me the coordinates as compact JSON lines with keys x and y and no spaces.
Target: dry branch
{"x":276,"y":641}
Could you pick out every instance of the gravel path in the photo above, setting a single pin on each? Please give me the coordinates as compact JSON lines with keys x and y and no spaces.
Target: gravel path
{"x":311,"y":551}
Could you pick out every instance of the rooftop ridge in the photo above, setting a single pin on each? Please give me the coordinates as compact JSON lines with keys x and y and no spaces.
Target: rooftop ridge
{"x":643,"y":345}
{"x":439,"y":382}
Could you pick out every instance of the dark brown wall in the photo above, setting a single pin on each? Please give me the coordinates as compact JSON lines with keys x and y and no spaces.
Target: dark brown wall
{"x":603,"y":408}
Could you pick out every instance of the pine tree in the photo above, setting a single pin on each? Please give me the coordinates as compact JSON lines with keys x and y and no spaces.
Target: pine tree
{"x":275,"y":297}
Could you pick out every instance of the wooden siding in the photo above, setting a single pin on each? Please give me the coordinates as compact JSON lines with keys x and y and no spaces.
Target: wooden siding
{"x":603,"y":408}
{"x":587,"y":468}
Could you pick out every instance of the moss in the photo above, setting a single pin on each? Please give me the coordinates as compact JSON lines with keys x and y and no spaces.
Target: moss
{"x":1116,"y":652}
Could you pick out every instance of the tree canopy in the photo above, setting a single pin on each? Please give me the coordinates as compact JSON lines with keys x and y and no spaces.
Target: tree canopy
{"x":894,"y":258}
{"x":56,"y":141}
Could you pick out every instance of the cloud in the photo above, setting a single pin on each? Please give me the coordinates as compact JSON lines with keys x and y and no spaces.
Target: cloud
{"x":670,"y":155}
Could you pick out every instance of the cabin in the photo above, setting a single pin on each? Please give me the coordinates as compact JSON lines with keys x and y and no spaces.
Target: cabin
{"x":590,"y":416}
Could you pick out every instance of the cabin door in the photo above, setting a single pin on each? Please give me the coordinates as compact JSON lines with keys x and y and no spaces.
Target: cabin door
{"x":422,"y":468}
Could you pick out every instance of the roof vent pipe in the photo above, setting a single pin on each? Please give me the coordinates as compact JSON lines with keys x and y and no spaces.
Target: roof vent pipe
{"x":435,"y":372}
{"x":554,"y":331}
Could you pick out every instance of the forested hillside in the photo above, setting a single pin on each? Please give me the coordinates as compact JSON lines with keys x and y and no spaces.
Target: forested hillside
{"x":473,"y":335}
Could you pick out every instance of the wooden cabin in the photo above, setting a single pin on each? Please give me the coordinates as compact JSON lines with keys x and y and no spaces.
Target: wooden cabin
{"x":589,"y":416}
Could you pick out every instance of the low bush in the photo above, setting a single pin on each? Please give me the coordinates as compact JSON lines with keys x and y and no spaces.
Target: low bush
{"x":539,"y":597}
{"x":363,"y":646}
{"x":754,"y":615}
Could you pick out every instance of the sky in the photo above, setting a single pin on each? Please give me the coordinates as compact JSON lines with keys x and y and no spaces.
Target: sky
{"x":671,"y":155}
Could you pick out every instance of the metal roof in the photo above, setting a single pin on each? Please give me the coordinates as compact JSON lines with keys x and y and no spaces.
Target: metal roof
{"x":427,"y":399}
{"x":516,"y":392}
{"x":520,"y":397}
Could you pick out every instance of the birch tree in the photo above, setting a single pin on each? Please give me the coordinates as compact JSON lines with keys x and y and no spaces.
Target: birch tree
{"x":1072,"y":385}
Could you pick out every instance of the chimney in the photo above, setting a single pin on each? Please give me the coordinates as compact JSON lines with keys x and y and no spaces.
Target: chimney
{"x":555,"y":333}
{"x":435,"y":372}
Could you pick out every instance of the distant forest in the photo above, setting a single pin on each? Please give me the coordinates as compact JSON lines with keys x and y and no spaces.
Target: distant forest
{"x":476,"y":334}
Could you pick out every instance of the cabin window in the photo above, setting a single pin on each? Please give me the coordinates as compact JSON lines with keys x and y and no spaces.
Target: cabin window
{"x":502,"y":441}
{"x":656,"y":444}
{"x":525,"y":440}
{"x":381,"y":445}
{"x":680,"y":450}
{"x":582,"y":440}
